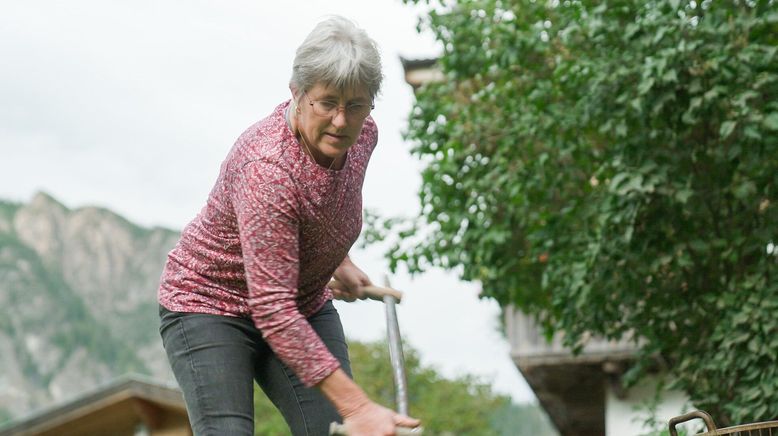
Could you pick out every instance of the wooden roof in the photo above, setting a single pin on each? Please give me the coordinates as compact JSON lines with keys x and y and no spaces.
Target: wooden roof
{"x":421,"y":71}
{"x":118,"y":408}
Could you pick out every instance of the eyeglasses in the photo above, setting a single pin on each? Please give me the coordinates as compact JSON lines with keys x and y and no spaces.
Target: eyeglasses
{"x":330,"y":108}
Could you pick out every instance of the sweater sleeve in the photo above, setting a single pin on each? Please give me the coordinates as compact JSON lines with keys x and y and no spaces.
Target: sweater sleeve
{"x":268,"y":214}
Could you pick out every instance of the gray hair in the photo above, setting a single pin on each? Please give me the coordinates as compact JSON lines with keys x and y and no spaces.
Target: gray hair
{"x":337,"y":53}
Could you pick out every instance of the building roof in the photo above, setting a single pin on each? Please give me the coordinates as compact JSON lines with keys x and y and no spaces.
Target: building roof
{"x":421,"y":71}
{"x":117,"y":408}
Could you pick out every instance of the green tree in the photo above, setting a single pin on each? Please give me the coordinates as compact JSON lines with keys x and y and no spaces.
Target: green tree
{"x":462,"y":406}
{"x":611,"y":167}
{"x":5,"y":416}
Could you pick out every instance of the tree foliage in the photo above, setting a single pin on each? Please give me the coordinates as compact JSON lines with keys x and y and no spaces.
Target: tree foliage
{"x":5,"y":416}
{"x":462,"y":406}
{"x":611,"y":167}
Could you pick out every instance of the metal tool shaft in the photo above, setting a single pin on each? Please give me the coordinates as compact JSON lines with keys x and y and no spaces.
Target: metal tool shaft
{"x":396,"y":355}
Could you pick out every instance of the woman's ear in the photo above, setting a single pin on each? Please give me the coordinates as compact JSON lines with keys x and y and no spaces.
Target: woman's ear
{"x":295,"y":98}
{"x":295,"y":92}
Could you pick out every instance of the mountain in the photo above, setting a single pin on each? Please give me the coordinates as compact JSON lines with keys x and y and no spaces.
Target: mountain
{"x":78,"y":302}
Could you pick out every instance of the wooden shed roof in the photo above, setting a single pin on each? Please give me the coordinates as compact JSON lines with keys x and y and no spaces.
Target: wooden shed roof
{"x":117,"y":408}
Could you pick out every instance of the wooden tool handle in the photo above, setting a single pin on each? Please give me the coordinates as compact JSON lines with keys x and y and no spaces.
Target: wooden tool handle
{"x":372,"y":292}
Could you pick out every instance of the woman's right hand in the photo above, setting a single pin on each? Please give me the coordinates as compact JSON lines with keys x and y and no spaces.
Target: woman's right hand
{"x":372,"y":419}
{"x":361,"y":416}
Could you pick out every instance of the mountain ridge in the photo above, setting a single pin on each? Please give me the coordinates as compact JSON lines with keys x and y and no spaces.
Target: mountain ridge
{"x":77,"y":301}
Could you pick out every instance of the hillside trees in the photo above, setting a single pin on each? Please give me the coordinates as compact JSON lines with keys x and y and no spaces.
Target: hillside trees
{"x":612,"y":168}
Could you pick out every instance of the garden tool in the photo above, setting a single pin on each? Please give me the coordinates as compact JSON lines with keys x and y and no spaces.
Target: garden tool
{"x":390,"y":297}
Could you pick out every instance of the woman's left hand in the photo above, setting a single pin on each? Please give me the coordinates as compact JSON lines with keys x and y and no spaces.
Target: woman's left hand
{"x":353,"y":279}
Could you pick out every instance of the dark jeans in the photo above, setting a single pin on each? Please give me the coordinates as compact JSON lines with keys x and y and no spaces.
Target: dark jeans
{"x":216,"y":358}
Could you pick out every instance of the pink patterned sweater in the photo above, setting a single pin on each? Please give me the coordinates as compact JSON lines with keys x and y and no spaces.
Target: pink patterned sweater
{"x":274,"y":229}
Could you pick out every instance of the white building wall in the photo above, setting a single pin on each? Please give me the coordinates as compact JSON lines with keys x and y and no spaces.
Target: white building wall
{"x":628,"y":416}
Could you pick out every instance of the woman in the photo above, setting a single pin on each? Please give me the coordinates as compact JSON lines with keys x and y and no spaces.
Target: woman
{"x":244,"y":293}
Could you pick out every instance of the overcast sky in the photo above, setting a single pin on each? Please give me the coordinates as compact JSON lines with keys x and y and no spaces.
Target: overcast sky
{"x":133,"y":105}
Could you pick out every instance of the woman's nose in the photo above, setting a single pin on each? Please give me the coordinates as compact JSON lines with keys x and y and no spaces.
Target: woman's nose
{"x":339,"y":119}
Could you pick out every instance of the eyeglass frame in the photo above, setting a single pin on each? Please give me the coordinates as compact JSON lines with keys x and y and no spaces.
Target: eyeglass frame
{"x":337,"y":108}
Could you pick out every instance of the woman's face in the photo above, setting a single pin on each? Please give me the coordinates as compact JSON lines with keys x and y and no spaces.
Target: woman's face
{"x":331,"y":120}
